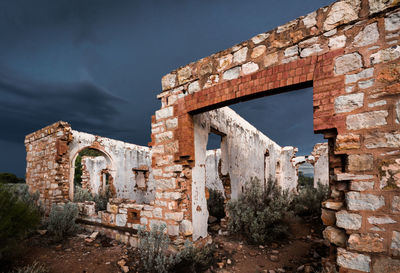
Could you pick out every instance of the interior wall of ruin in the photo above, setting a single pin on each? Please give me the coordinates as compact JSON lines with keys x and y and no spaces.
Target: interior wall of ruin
{"x":242,"y":157}
{"x":92,"y":176}
{"x":122,"y":159}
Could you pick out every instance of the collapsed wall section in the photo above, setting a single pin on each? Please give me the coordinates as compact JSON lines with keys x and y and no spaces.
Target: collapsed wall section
{"x":51,"y":155}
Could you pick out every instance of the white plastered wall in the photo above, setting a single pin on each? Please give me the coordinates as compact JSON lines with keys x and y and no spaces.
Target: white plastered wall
{"x":121,"y":158}
{"x":242,"y":155}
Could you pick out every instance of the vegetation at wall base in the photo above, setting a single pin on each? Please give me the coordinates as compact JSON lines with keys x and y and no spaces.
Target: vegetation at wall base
{"x":82,"y":195}
{"x":259,"y":212}
{"x":61,"y":221}
{"x":308,"y":202}
{"x":215,"y":204}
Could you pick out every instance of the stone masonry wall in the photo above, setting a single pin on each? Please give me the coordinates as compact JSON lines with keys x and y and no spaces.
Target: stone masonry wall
{"x":46,"y":161}
{"x":349,"y":53}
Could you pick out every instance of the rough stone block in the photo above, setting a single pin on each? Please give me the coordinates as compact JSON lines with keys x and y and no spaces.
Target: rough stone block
{"x":360,"y":201}
{"x":292,"y":51}
{"x":224,"y":62}
{"x":335,"y":236}
{"x":366,"y":84}
{"x":334,"y":205}
{"x":328,"y":217}
{"x":361,"y":185}
{"x":366,"y":120}
{"x":258,"y":51}
{"x":168,"y":81}
{"x":184,"y":74}
{"x":249,"y":68}
{"x":396,"y":204}
{"x":392,"y":22}
{"x":232,"y":73}
{"x":386,"y":55}
{"x":348,"y":220}
{"x":386,"y":265}
{"x":367,"y":36}
{"x":342,"y":12}
{"x":363,"y":162}
{"x":240,"y":56}
{"x":347,"y":142}
{"x":260,"y":38}
{"x":348,"y":103}
{"x":165,"y":113}
{"x":353,"y":260}
{"x":186,"y":227}
{"x":380,"y":5}
{"x":382,"y":140}
{"x":366,"y":242}
{"x":390,"y":174}
{"x":366,"y":73}
{"x":308,"y":51}
{"x":337,"y":42}
{"x":121,"y":220}
{"x":381,"y":220}
{"x":176,"y":216}
{"x":173,"y":230}
{"x":270,"y":59}
{"x":395,"y":245}
{"x":347,"y":63}
{"x":194,"y":87}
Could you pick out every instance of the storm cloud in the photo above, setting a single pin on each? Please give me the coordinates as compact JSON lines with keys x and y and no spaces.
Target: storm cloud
{"x":97,"y":64}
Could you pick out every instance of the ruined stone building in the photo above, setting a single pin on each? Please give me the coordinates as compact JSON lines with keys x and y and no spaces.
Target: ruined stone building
{"x":348,"y":52}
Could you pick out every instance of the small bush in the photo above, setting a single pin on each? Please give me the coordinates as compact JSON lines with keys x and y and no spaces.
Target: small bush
{"x":21,"y":191}
{"x":61,"y":222}
{"x":259,"y":213}
{"x":82,"y":195}
{"x":17,"y":220}
{"x":308,"y":201}
{"x":195,"y":259}
{"x":153,"y":250}
{"x":215,"y":204}
{"x":33,"y":268}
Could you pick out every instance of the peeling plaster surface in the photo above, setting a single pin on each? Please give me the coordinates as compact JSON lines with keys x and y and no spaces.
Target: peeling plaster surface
{"x":121,"y":158}
{"x":321,"y":165}
{"x":94,"y":166}
{"x":242,"y":157}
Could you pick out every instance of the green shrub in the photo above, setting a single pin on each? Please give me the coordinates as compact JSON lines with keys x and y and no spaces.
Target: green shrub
{"x":21,"y":191}
{"x":82,"y":195}
{"x":153,"y":250}
{"x":61,"y":221}
{"x":259,"y":212}
{"x":195,"y":259}
{"x":33,"y":268}
{"x":308,"y":201}
{"x":17,"y":220}
{"x":215,"y":204}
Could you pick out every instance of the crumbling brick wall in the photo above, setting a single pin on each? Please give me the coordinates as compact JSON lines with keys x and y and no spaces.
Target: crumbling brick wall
{"x":349,"y":53}
{"x":51,"y":155}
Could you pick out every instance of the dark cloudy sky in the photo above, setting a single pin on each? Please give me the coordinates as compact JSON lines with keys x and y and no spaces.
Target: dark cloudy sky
{"x":98,"y":65}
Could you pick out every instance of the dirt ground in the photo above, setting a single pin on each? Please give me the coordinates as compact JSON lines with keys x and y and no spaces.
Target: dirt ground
{"x":299,"y":253}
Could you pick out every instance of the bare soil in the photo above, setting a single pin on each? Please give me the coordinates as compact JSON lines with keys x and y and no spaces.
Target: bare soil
{"x":302,"y":250}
